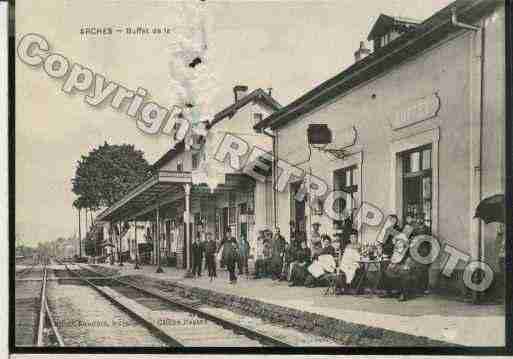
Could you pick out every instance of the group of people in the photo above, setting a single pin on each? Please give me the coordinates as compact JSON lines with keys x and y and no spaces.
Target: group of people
{"x":232,"y":254}
{"x":320,"y":261}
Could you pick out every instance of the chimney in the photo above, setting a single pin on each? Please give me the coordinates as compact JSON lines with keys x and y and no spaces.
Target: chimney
{"x":362,"y":52}
{"x":239,"y":92}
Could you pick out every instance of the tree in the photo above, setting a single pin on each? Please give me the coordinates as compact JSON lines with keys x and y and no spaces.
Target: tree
{"x":106,"y":174}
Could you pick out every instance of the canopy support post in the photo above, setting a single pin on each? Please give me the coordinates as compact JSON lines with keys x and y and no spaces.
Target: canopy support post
{"x":157,"y":252}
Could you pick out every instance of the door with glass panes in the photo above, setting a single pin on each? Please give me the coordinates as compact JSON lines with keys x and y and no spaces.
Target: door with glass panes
{"x":417,"y":185}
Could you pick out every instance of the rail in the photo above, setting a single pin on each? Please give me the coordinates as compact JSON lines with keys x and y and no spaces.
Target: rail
{"x":249,"y":332}
{"x":44,"y":313}
{"x":148,"y":324}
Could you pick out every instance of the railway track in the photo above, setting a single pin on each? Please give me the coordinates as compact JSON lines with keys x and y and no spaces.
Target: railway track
{"x":178,"y":321}
{"x":24,"y":272}
{"x":32,"y":314}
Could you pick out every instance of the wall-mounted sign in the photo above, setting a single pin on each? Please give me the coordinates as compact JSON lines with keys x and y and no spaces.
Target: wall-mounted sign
{"x":415,"y":111}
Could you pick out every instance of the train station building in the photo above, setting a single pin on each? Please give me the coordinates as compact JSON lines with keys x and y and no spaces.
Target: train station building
{"x":417,"y":127}
{"x":190,"y":192}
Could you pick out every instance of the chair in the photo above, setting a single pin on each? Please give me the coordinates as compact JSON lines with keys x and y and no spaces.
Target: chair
{"x":332,"y":280}
{"x":332,"y":277}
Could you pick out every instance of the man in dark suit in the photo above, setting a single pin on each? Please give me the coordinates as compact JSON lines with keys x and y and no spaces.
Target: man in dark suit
{"x":197,"y":249}
{"x":210,"y":255}
{"x":230,"y":254}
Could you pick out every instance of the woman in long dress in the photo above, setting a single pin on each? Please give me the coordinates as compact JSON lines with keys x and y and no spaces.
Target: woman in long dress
{"x":349,"y":265}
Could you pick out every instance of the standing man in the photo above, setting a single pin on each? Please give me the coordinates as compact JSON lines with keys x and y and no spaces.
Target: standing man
{"x":278,"y":251}
{"x":230,"y":255}
{"x":197,"y":255}
{"x":244,"y":249}
{"x":201,"y":249}
{"x":210,"y":255}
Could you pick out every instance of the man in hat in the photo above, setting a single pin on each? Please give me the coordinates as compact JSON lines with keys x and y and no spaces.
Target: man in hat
{"x":230,"y":254}
{"x":210,"y":253}
{"x":197,"y":249}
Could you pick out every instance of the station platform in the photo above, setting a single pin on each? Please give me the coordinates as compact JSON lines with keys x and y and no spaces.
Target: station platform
{"x":434,"y":317}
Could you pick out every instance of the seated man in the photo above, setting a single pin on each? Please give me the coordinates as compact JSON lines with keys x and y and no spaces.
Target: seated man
{"x":298,"y":268}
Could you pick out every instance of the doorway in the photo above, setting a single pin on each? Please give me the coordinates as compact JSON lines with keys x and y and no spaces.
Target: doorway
{"x":298,"y":213}
{"x":417,"y":185}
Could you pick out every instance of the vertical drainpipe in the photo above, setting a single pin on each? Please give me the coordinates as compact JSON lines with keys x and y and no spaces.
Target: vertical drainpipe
{"x":476,"y":129}
{"x":274,"y":138}
{"x":481,"y":120}
{"x":478,"y":166}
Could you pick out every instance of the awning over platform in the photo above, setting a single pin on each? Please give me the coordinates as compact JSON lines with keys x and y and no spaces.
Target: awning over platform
{"x":136,"y":203}
{"x":163,"y":188}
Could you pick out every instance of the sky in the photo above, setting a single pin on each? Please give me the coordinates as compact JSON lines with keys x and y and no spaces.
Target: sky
{"x":290,"y":46}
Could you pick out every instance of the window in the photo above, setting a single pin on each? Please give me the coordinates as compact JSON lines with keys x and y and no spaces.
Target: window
{"x":197,"y":224}
{"x":417,"y":160}
{"x":385,"y":39}
{"x":243,"y":208}
{"x":231,"y":215}
{"x":179,"y":167}
{"x":344,"y":179}
{"x":257,"y":117}
{"x":196,"y":160}
{"x":251,"y":202}
{"x":417,"y":185}
{"x":231,"y":199}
